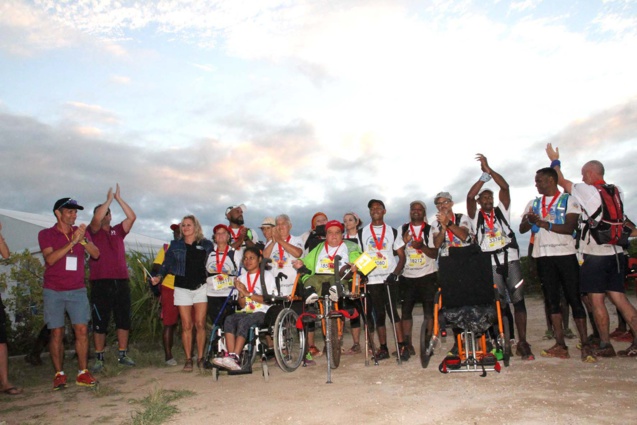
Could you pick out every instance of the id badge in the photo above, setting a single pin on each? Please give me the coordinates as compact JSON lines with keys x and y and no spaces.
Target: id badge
{"x":71,"y":263}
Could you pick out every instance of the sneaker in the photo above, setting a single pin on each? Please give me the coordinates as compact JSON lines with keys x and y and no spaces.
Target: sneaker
{"x":309,"y":360}
{"x":59,"y":381}
{"x":617,"y":332}
{"x":98,"y":366}
{"x":356,"y":349}
{"x":171,"y":362}
{"x":624,"y":337}
{"x":85,"y":379}
{"x":587,"y":354}
{"x":548,"y":335}
{"x":404,"y":353}
{"x":412,"y":350}
{"x":218,"y":361}
{"x":382,"y":354}
{"x":127,"y":361}
{"x":312,"y":298}
{"x":556,"y":351}
{"x":315,"y":352}
{"x":607,"y":351}
{"x":231,"y":363}
{"x":629,"y":352}
{"x":568,"y":333}
{"x":523,"y":350}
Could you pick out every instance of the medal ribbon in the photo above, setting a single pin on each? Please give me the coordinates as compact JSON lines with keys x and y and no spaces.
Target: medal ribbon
{"x":489,"y":219}
{"x":449,"y":232}
{"x":378,"y":242}
{"x":251,"y":285}
{"x":281,"y":250}
{"x":413,"y":232}
{"x":331,"y":257}
{"x":223,"y":260}
{"x":545,"y":209}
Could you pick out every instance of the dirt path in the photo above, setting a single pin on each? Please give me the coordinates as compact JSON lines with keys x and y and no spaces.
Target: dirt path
{"x":547,"y":391}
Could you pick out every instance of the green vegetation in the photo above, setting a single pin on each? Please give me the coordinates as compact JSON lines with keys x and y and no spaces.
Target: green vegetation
{"x":157,"y":407}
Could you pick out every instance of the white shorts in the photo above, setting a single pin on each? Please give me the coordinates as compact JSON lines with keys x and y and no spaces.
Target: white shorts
{"x":190,"y":297}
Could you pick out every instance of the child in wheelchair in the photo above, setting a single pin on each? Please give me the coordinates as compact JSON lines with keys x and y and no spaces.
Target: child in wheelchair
{"x":252,"y":311}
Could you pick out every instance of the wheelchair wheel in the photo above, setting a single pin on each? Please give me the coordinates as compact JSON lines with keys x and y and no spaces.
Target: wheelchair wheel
{"x":425,"y":341}
{"x":335,"y":344}
{"x":506,"y":346}
{"x":289,"y":342}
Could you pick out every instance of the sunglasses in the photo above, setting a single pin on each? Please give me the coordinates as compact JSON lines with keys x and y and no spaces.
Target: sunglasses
{"x":69,"y":202}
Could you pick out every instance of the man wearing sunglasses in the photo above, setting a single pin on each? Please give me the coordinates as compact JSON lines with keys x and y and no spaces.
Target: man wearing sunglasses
{"x":63,"y":247}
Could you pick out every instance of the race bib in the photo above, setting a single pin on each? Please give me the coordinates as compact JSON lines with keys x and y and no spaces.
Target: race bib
{"x":325,"y":266}
{"x":495,"y":240}
{"x":381,"y":261}
{"x":416,"y":259}
{"x":251,"y":306}
{"x":222,"y":281}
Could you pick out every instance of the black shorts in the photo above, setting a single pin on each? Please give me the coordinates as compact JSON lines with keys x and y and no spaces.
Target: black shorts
{"x":601,"y":273}
{"x":110,"y":296}
{"x":561,"y":271}
{"x":418,"y":290}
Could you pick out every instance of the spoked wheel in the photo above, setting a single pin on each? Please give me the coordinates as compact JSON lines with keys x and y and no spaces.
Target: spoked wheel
{"x":289,"y":342}
{"x":506,"y":345}
{"x":335,"y":344}
{"x":425,"y":342}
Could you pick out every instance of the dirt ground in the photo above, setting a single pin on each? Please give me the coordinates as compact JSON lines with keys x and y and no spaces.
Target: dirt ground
{"x":547,"y":391}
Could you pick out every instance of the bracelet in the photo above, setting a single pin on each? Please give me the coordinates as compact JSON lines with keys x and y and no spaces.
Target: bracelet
{"x":83,"y":242}
{"x":485,"y":177}
{"x":556,"y":163}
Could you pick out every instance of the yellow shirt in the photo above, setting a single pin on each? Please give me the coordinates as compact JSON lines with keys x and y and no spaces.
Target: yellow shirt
{"x":169,"y":279}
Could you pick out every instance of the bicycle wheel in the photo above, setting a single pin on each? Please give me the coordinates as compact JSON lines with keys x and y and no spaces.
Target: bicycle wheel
{"x":289,"y":342}
{"x":335,"y":344}
{"x":425,"y":342}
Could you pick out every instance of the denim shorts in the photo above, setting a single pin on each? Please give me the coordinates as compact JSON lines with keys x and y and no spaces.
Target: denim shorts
{"x":74,"y":302}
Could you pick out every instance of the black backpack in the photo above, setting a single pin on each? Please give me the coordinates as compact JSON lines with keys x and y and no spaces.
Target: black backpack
{"x":611,"y":228}
{"x":500,"y":218}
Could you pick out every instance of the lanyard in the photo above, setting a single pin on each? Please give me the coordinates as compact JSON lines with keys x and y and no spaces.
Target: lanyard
{"x":223,"y":260}
{"x":413,"y":232}
{"x":489,"y":219}
{"x":281,"y":250}
{"x":69,"y":239}
{"x":545,"y":209}
{"x":331,"y":257}
{"x":378,"y":242}
{"x":251,"y":285}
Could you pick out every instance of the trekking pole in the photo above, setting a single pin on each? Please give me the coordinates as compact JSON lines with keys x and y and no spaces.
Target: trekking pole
{"x":328,"y":336}
{"x":369,"y":339}
{"x":393,"y":323}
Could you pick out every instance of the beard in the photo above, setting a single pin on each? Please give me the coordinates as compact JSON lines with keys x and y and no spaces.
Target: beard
{"x":238,"y":220}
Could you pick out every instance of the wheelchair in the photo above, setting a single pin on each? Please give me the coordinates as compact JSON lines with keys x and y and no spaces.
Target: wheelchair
{"x":469,"y":300}
{"x":289,"y":329}
{"x":254,"y":347}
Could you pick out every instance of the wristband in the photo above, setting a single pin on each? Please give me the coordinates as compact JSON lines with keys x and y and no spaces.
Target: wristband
{"x":83,"y":242}
{"x":485,"y":177}
{"x":556,"y":163}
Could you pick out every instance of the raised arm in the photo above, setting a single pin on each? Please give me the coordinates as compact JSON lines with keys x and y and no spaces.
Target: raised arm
{"x":127,"y":224}
{"x":554,"y":156}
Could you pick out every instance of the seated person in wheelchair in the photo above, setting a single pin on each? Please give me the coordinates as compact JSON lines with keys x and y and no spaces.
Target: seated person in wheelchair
{"x":318,"y":264}
{"x":252,"y":313}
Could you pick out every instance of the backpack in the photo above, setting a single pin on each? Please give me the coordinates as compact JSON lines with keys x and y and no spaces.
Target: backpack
{"x":500,"y":218}
{"x":611,"y":228}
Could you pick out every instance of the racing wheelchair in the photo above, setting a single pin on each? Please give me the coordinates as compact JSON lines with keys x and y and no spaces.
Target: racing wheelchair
{"x":468,"y":299}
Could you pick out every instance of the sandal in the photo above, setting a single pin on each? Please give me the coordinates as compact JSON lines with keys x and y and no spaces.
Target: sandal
{"x":188,"y":366}
{"x":199,"y":363}
{"x":12,"y":391}
{"x":356,"y":349}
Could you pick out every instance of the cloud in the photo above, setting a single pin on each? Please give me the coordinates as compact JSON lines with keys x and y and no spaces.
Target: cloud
{"x":205,"y":67}
{"x":120,"y":79}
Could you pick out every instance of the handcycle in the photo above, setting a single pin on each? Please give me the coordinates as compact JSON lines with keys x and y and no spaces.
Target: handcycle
{"x":472,"y":303}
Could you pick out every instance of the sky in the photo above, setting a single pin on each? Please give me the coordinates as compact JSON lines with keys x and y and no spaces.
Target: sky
{"x":304,"y":106}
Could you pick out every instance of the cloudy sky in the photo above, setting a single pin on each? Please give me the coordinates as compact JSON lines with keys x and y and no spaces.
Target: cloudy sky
{"x":304,"y":106}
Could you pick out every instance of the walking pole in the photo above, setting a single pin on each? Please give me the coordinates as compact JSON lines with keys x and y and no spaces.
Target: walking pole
{"x":393,"y":323}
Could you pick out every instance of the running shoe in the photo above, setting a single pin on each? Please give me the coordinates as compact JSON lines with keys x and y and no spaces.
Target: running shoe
{"x":231,"y":363}
{"x":617,"y":332}
{"x":85,"y":379}
{"x":98,"y":366}
{"x":568,"y":333}
{"x":404,"y":353}
{"x":126,"y":361}
{"x":382,"y":354}
{"x":557,"y":351}
{"x":587,"y":354}
{"x":629,"y":352}
{"x":607,"y":351}
{"x":412,"y":350}
{"x":171,"y":362}
{"x":312,"y":298}
{"x":524,"y":350}
{"x":59,"y":381}
{"x":624,"y":337}
{"x":315,"y":352}
{"x":333,"y":293}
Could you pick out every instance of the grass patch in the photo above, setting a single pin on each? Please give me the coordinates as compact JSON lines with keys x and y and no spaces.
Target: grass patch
{"x":157,"y":407}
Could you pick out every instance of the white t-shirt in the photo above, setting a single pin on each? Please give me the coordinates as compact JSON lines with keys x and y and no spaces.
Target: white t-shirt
{"x":589,"y":198}
{"x":496,"y":238}
{"x":455,"y":241}
{"x":238,"y":256}
{"x":548,"y":244}
{"x":254,"y":286}
{"x":417,"y":263}
{"x":384,"y":257}
{"x":219,"y":284}
{"x":282,"y":263}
